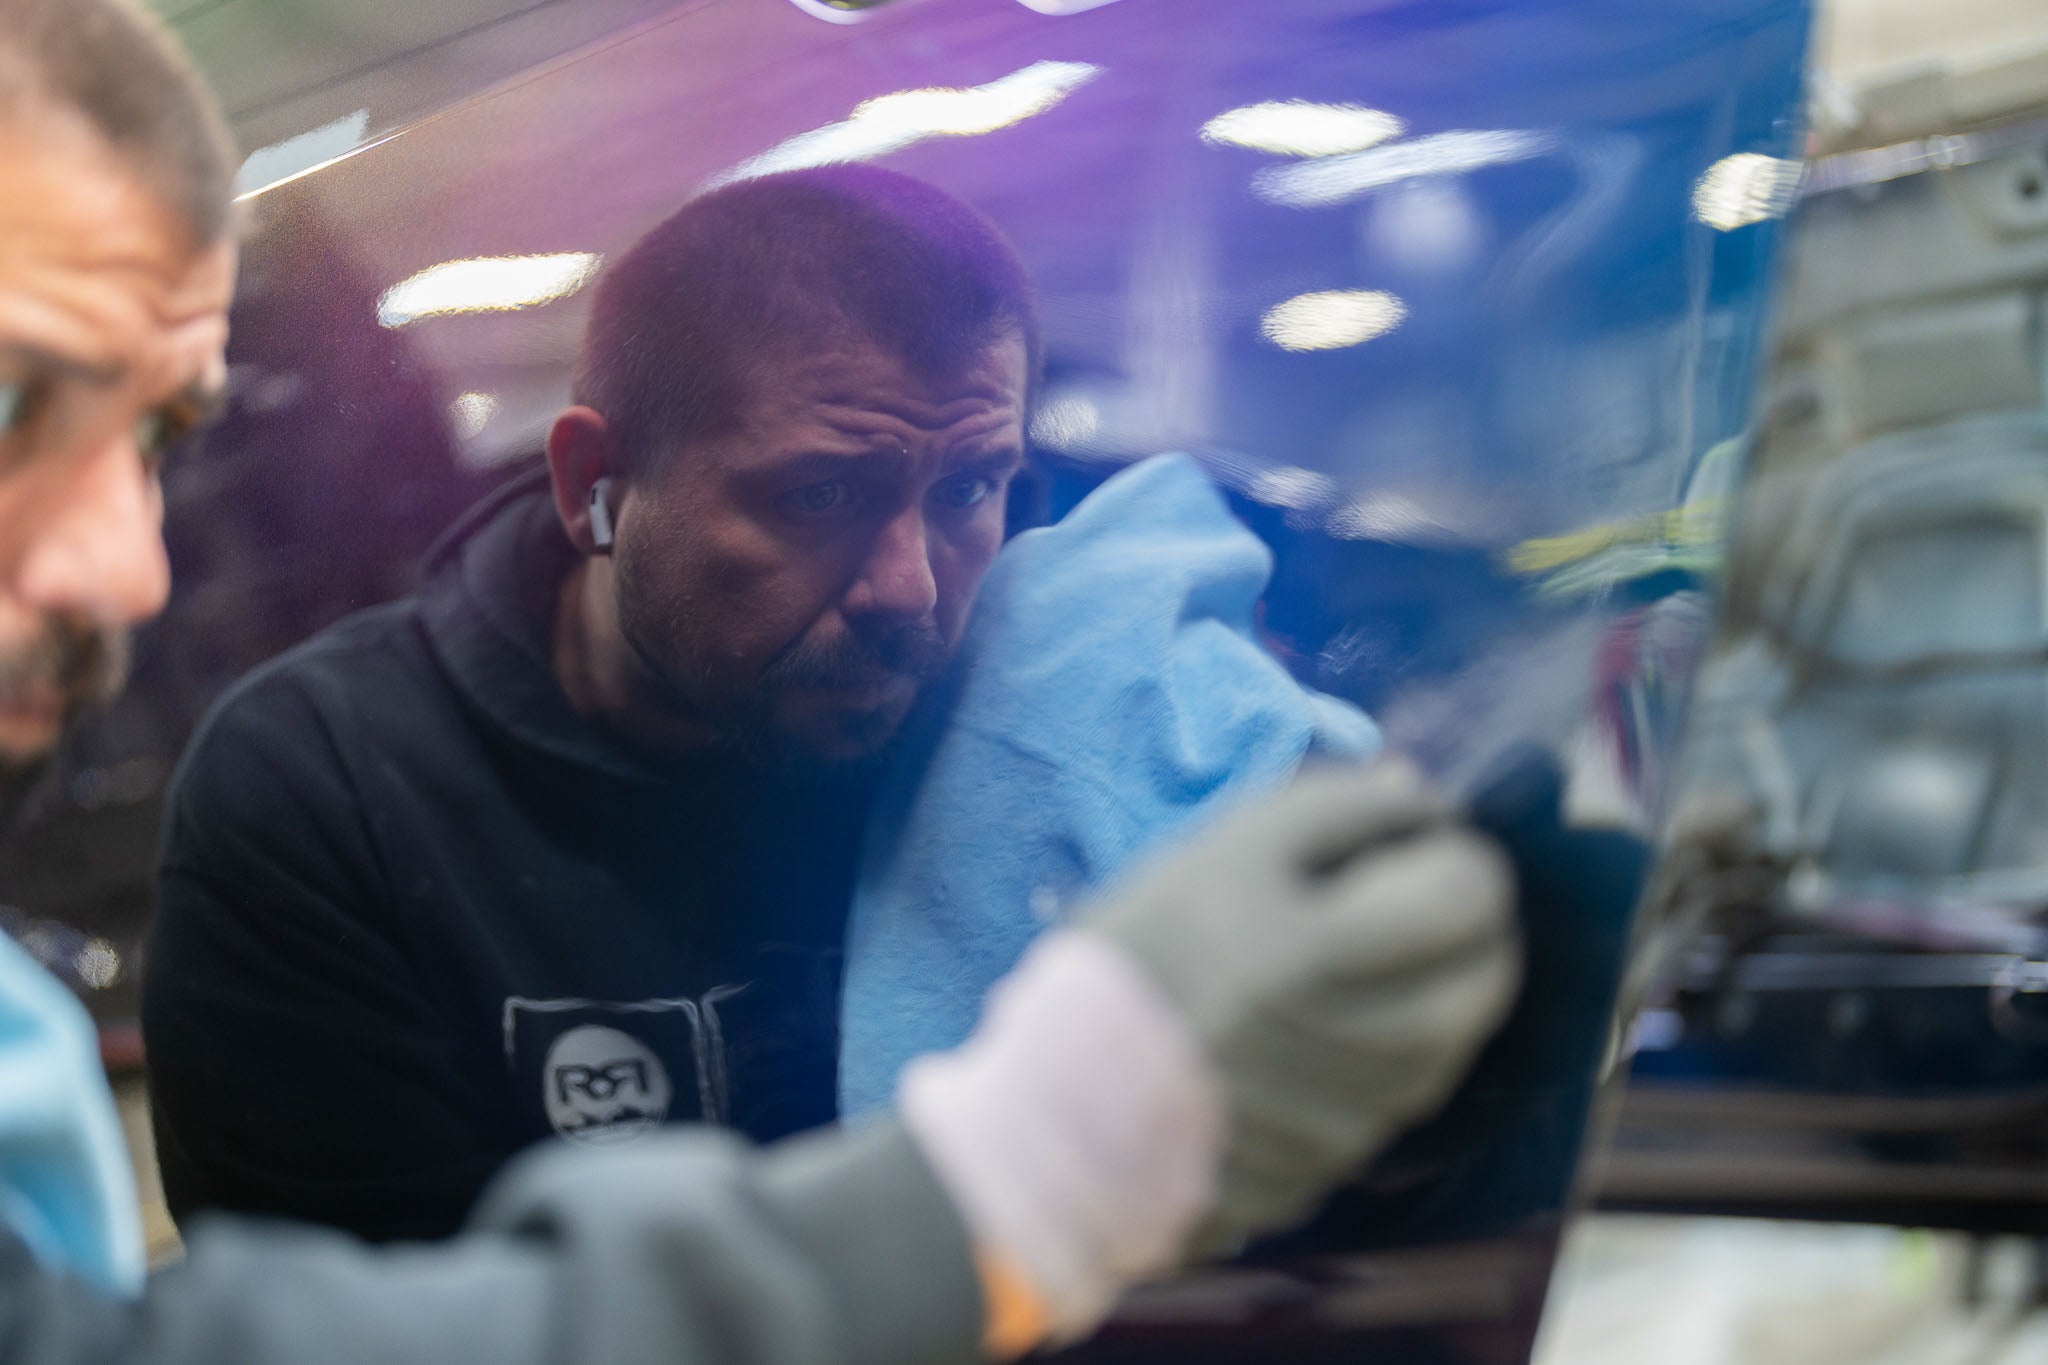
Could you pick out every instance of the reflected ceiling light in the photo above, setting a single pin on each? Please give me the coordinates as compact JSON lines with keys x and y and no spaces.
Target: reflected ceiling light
{"x":471,"y":413}
{"x":1331,"y":319}
{"x":486,"y":284}
{"x":1302,"y":128}
{"x":98,"y":964}
{"x":1068,"y":422}
{"x":839,"y":11}
{"x":1064,"y":6}
{"x":1292,"y":487}
{"x":1335,"y":179}
{"x":295,"y":157}
{"x":951,"y":112}
{"x":891,"y":122}
{"x":1385,"y":516}
{"x":1746,"y":188}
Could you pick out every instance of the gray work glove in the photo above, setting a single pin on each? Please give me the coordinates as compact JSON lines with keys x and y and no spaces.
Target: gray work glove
{"x":1219,"y":1040}
{"x":1342,"y":952}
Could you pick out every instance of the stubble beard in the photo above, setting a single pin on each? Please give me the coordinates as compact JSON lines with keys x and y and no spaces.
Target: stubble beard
{"x":72,"y":666}
{"x":750,"y":731}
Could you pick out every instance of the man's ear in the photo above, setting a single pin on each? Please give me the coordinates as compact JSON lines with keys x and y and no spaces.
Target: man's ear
{"x":579,"y":457}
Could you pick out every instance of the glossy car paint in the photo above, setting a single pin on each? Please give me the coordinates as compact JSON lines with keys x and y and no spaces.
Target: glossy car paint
{"x":1494,"y":512}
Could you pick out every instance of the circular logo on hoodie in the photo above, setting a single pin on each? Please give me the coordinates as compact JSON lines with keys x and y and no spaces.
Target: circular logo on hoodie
{"x":604,"y":1086}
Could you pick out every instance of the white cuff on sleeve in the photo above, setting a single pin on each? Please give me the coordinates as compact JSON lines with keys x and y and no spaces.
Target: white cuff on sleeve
{"x":1080,"y":1130}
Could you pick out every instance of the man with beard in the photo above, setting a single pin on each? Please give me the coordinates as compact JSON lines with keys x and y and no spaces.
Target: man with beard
{"x":562,"y":845}
{"x":1190,"y":1063}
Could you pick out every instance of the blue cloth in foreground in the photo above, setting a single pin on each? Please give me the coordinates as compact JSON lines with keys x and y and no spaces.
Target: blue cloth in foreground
{"x":66,"y":1188}
{"x":1110,"y":695}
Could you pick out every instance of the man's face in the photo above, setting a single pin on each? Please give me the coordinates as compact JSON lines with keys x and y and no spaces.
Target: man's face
{"x":799,"y":579}
{"x":112,"y":331}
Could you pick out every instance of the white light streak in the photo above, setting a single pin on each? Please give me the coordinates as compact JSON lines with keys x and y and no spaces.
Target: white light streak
{"x":1385,"y":516}
{"x":1338,"y":179}
{"x":471,"y":413}
{"x":833,"y":14}
{"x":1292,"y":487}
{"x":1746,"y":188}
{"x":1064,"y":6}
{"x":1068,"y":422}
{"x":1331,"y":319}
{"x":282,"y":162}
{"x":889,"y":123}
{"x":1302,"y":128}
{"x":486,"y":284}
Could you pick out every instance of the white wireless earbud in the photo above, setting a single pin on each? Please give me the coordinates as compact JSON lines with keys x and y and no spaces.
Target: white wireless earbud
{"x":601,"y":514}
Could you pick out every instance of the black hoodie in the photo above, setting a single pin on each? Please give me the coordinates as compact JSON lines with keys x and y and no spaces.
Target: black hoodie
{"x":415,"y":914}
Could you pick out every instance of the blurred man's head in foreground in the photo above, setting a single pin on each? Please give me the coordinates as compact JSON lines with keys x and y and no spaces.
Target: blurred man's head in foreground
{"x":116,"y":266}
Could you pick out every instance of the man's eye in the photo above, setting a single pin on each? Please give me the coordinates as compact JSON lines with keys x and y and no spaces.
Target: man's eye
{"x":156,"y":433}
{"x":169,"y":425}
{"x":19,"y":402}
{"x":965,"y":491}
{"x":819,"y":499}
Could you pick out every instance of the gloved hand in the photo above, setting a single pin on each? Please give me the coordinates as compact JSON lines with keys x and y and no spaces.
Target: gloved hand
{"x":1218,"y":1041}
{"x":1341,"y":954}
{"x":1506,"y":1146}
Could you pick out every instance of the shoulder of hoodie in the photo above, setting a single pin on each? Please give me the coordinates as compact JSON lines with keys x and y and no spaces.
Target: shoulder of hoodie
{"x":325,"y":700}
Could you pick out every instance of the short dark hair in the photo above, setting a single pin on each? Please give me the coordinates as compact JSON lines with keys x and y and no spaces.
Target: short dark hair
{"x":114,"y":65}
{"x":765,"y":267}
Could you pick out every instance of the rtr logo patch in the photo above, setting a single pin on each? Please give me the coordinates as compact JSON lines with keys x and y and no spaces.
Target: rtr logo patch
{"x":603,"y":1086}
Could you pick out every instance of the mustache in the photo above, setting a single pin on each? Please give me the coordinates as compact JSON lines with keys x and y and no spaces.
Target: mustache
{"x":918,"y":651}
{"x":72,"y":664}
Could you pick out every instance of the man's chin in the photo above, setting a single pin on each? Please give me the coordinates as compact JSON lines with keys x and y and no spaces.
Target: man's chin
{"x":850,"y":739}
{"x":828,"y":734}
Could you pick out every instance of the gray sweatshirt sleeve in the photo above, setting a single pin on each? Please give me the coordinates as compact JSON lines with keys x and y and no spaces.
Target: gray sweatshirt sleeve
{"x":685,"y":1249}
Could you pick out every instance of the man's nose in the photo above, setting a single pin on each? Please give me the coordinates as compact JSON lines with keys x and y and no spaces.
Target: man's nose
{"x":99,"y":549}
{"x":897,"y":580}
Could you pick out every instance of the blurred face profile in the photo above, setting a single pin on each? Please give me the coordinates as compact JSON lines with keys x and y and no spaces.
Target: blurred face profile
{"x":112,"y":335}
{"x":802,"y":576}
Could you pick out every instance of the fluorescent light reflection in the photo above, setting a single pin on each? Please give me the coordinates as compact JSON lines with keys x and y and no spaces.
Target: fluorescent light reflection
{"x":1064,"y":6}
{"x":1068,"y":423}
{"x":843,"y":12}
{"x":1336,"y":179}
{"x":1331,"y":319}
{"x":1302,"y":128}
{"x":1301,"y":490}
{"x":889,"y":123}
{"x":1386,"y":516}
{"x":268,"y":167}
{"x":1746,"y":188}
{"x":486,"y":284}
{"x":471,"y":413}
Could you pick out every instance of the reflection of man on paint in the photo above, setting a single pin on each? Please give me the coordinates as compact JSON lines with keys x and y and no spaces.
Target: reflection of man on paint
{"x":1208,"y":1050}
{"x":618,"y":746}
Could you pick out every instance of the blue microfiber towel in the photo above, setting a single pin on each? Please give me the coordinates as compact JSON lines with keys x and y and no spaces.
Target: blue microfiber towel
{"x":1110,"y":694}
{"x":66,"y":1188}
